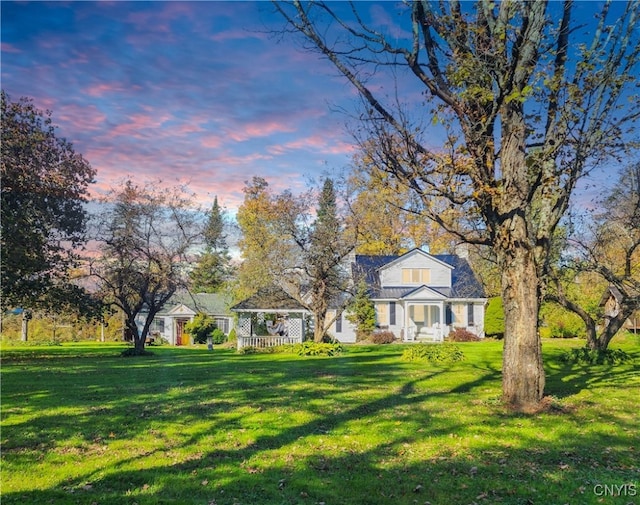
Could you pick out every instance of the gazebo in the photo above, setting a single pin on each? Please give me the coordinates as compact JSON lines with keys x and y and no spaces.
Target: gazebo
{"x":270,"y":317}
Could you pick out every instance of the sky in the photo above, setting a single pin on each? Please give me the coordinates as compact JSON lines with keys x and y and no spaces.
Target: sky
{"x":201,"y":93}
{"x":194,"y":92}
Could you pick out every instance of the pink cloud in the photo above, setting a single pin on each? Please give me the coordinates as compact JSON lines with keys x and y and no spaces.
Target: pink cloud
{"x":9,"y":48}
{"x":83,"y":117}
{"x":260,"y":129}
{"x":318,"y":142}
{"x":138,"y":123}
{"x":103,"y":88}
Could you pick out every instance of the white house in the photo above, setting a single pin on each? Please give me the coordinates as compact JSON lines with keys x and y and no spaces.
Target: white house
{"x":418,"y":296}
{"x":181,"y":308}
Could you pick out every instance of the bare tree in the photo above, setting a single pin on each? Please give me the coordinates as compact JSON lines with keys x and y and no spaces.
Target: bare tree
{"x":607,"y":252}
{"x":529,"y":100}
{"x":145,"y":235}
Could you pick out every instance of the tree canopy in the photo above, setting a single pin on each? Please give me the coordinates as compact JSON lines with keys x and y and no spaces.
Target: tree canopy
{"x":45,"y":185}
{"x":297,"y":243}
{"x":146,"y":235}
{"x":529,"y":100}
{"x":213,"y":268}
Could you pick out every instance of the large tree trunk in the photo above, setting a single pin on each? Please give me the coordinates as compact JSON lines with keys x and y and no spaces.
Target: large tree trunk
{"x":319,"y":318}
{"x":522,"y":371}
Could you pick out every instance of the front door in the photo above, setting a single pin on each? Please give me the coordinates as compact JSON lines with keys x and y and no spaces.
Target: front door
{"x":424,"y":321}
{"x":182,"y":338}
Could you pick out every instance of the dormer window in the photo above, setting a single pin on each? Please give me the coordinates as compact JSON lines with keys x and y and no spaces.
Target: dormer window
{"x":416,"y":275}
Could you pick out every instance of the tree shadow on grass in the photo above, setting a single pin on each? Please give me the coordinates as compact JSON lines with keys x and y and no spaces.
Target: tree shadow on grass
{"x":318,"y":411}
{"x":564,"y":380}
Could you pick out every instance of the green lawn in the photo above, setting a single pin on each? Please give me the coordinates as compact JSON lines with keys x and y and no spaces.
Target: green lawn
{"x":82,"y":425}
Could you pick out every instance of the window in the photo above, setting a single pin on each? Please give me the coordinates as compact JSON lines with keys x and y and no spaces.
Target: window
{"x":458,"y":314}
{"x":382,"y":312}
{"x":339,"y":323}
{"x":392,"y":313}
{"x":157,"y":325}
{"x":470,"y":314}
{"x":223,"y":324}
{"x":416,"y":276}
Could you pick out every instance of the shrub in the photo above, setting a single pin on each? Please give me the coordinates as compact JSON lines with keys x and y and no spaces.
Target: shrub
{"x":250,"y":350}
{"x":494,"y":318}
{"x":382,"y":337}
{"x":362,"y":312}
{"x":200,"y":328}
{"x":233,"y":336}
{"x":558,"y":322}
{"x":434,"y":353}
{"x":218,"y":336}
{"x":462,"y":335}
{"x":586,"y":356}
{"x":310,"y":348}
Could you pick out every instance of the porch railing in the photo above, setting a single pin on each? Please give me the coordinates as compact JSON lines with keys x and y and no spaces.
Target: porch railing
{"x":266,"y":341}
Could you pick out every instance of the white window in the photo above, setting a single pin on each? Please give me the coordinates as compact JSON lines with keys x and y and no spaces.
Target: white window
{"x":382,"y":312}
{"x":459,"y":312}
{"x":416,"y":276}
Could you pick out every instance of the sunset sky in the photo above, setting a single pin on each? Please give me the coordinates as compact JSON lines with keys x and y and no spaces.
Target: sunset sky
{"x":196,"y":92}
{"x":199,"y":92}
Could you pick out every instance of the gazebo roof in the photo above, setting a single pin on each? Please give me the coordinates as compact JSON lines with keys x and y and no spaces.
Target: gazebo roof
{"x":269,"y":299}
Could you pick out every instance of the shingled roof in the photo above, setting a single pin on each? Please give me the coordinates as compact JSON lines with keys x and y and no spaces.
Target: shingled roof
{"x":271,"y":298}
{"x":463,"y":280}
{"x":206,"y":303}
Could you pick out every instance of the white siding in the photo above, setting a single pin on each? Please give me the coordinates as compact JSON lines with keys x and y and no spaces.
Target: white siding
{"x":440,"y":273}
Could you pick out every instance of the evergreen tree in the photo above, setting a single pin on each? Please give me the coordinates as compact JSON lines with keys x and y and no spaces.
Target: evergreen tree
{"x":213,"y":267}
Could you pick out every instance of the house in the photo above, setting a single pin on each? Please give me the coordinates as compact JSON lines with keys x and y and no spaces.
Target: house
{"x":181,"y":308}
{"x":417,"y":296}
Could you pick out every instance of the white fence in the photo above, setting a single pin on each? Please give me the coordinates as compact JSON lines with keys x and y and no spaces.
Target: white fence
{"x":266,"y":341}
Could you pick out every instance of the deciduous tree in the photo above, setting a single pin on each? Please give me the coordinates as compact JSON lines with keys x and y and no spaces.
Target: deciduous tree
{"x":525,"y":94}
{"x":285,"y":245}
{"x":45,"y":186}
{"x":146,"y":235}
{"x":605,"y":253}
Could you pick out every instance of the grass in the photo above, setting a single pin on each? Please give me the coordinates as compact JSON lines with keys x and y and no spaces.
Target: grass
{"x":82,"y":425}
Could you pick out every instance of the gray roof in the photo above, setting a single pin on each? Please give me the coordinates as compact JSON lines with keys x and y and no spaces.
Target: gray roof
{"x":463,"y":280}
{"x":213,"y":304}
{"x":272,"y":298}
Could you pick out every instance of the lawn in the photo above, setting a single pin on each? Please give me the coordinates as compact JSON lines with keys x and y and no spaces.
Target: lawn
{"x":82,"y":425}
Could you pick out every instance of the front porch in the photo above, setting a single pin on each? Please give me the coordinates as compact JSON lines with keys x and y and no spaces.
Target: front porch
{"x":269,"y":329}
{"x":424,"y":322}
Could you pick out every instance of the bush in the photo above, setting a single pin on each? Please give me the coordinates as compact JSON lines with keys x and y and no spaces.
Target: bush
{"x":233,"y":336}
{"x":434,"y":353}
{"x":558,"y":322}
{"x":494,"y":318}
{"x":586,"y":356}
{"x":311,"y":348}
{"x":462,"y":335}
{"x":203,"y":327}
{"x":382,"y":337}
{"x":218,"y":336}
